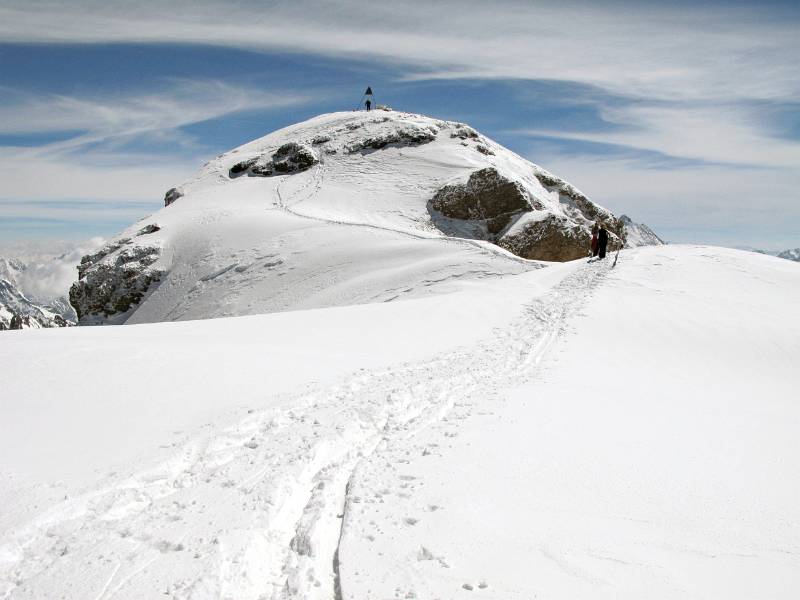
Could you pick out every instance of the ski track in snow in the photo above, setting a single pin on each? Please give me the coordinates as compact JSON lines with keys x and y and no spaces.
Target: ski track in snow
{"x":257,"y":510}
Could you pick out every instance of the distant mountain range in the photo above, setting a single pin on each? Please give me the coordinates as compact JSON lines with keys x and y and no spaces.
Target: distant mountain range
{"x":639,"y":234}
{"x":19,"y":311}
{"x":793,"y":254}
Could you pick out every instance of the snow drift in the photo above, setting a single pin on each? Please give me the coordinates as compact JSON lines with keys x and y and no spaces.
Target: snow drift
{"x":344,"y":208}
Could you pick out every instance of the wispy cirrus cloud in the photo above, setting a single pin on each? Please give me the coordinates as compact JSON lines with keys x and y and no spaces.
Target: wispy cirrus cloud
{"x":103,"y":117}
{"x":694,"y":84}
{"x":99,"y":160}
{"x":734,"y":135}
{"x":652,"y":50}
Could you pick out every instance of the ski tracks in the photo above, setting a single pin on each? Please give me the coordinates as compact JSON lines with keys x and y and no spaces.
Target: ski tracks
{"x":257,"y":510}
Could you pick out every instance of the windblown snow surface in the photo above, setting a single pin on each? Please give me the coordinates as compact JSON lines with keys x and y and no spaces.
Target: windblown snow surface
{"x":575,"y":431}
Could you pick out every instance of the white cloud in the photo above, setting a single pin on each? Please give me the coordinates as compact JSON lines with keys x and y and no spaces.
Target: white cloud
{"x":692,"y":73}
{"x":663,"y":52}
{"x":44,"y":178}
{"x":721,"y":134}
{"x":102,"y":118}
{"x":49,"y":270}
{"x":713,"y":204}
{"x":78,"y":168}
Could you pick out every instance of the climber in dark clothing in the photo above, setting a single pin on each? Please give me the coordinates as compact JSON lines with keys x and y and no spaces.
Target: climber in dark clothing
{"x":369,"y":104}
{"x":602,"y":241}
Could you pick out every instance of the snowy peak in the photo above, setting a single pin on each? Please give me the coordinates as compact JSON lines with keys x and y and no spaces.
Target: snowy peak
{"x":639,"y":234}
{"x":344,"y":208}
{"x":17,"y":312}
{"x":10,"y":269}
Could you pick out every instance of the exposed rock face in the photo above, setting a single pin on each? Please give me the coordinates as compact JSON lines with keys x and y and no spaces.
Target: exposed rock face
{"x":464,"y":132}
{"x":554,"y":238}
{"x":172,"y":195}
{"x":113,"y":280}
{"x":492,"y":207}
{"x":407,"y":135}
{"x":582,"y":205}
{"x":639,"y":234}
{"x":289,"y":158}
{"x":793,"y":254}
{"x":487,"y":197}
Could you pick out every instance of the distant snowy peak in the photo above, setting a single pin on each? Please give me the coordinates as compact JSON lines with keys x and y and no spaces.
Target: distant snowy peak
{"x":341,"y":209}
{"x":10,"y":269}
{"x":793,"y":254}
{"x":639,"y":234}
{"x":17,"y":312}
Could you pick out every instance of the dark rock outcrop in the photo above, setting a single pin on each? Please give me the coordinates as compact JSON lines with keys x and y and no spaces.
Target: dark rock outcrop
{"x":148,"y":229}
{"x":486,"y":194}
{"x":553,"y":238}
{"x":407,"y":135}
{"x":289,"y":158}
{"x":581,"y":205}
{"x":464,"y":132}
{"x":487,"y":197}
{"x":242,"y":167}
{"x":492,"y":207}
{"x":114,"y":280}
{"x":172,"y":195}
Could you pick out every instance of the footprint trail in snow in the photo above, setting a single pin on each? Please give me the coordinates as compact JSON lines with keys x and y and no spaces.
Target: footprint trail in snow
{"x":257,"y":511}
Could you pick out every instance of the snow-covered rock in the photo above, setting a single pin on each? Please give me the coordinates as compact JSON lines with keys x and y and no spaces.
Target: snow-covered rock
{"x":172,"y":195}
{"x":344,"y":208}
{"x":18,"y":312}
{"x":113,"y":281}
{"x":639,"y":234}
{"x":793,"y":254}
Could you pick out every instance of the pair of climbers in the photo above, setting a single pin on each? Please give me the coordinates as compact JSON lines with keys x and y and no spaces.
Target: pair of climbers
{"x":599,"y":239}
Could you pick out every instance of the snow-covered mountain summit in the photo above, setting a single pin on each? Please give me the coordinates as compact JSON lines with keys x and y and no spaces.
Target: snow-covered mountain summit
{"x":344,"y":208}
{"x":639,"y":234}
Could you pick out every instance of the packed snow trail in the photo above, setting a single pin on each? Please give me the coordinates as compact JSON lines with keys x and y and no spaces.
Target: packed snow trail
{"x":258,"y":510}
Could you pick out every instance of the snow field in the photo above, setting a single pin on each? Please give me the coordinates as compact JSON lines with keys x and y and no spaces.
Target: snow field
{"x":653,"y":454}
{"x":247,"y":512}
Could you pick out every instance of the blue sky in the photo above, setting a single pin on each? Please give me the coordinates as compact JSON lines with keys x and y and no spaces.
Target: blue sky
{"x":682,"y":116}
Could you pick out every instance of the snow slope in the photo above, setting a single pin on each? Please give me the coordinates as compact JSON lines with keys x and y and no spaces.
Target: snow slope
{"x":639,"y":234}
{"x":570,"y":432}
{"x":353,"y":228}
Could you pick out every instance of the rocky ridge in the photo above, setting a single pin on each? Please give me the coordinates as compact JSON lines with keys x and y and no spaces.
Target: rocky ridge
{"x":114,"y":280}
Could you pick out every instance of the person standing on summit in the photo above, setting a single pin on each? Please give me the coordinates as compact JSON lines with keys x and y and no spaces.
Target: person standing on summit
{"x":602,"y":241}
{"x":593,"y":251}
{"x":368,"y":103}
